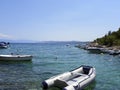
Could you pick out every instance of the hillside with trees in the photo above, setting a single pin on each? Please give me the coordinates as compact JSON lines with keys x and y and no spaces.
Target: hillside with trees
{"x":110,"y":39}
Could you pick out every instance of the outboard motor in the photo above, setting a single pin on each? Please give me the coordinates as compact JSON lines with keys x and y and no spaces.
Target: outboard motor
{"x":86,"y":69}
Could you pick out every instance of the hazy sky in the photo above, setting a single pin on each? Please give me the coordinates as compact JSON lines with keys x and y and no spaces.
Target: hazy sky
{"x":58,"y":20}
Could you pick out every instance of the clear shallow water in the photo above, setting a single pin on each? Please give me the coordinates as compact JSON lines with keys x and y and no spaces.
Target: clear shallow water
{"x":52,"y":59}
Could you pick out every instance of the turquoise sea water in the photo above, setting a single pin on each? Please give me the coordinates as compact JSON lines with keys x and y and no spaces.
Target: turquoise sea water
{"x":51,"y":59}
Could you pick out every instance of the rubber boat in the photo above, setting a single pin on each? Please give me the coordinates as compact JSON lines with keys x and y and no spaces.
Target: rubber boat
{"x":15,"y":57}
{"x":76,"y":79}
{"x":3,"y":45}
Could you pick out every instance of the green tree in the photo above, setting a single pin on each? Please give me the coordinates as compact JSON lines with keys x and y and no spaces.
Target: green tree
{"x":111,"y":39}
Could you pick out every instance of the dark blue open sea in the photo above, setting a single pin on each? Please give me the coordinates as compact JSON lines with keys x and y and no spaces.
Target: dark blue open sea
{"x":52,"y":58}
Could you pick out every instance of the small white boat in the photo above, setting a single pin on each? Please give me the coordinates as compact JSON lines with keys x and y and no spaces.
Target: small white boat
{"x":94,"y":49}
{"x":15,"y":57}
{"x":73,"y":80}
{"x":114,"y":52}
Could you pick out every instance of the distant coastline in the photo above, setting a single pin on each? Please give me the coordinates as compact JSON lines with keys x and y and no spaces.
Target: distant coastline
{"x":37,"y":41}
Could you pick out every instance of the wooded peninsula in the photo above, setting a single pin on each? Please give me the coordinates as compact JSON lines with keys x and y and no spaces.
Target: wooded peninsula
{"x":110,"y":39}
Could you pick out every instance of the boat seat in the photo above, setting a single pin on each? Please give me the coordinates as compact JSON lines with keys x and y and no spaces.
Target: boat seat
{"x":81,"y":74}
{"x":76,"y":79}
{"x":60,"y":83}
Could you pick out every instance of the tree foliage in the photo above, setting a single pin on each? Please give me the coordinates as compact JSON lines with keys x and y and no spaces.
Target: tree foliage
{"x":110,"y":39}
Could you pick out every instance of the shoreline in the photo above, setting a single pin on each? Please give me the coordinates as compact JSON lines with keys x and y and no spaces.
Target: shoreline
{"x":96,"y":48}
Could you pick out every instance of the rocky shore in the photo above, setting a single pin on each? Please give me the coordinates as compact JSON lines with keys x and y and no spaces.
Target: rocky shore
{"x":96,"y":48}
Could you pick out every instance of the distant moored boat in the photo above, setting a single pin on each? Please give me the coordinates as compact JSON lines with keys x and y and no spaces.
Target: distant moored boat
{"x":4,"y":45}
{"x":15,"y":57}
